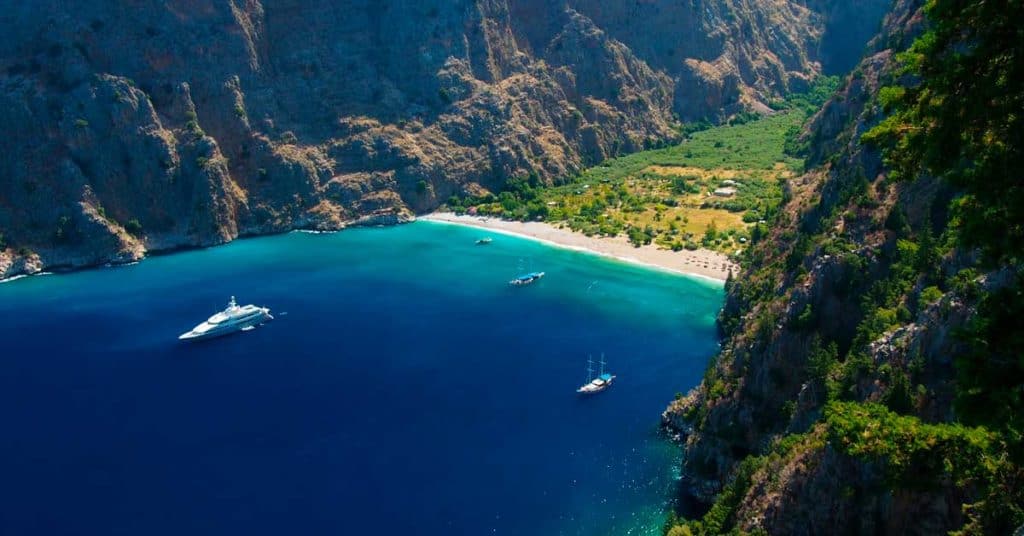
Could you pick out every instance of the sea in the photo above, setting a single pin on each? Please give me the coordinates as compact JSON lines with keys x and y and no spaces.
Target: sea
{"x":402,"y":388}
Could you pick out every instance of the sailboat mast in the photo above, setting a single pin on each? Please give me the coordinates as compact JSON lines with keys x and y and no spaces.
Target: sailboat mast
{"x":602,"y":364}
{"x":590,"y":368}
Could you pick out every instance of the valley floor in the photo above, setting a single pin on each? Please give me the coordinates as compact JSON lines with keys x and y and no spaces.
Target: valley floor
{"x":702,"y":262}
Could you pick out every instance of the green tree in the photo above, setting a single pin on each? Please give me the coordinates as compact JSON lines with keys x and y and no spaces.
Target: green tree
{"x":133,"y":227}
{"x":711,"y":232}
{"x":820,"y":360}
{"x":962,"y":121}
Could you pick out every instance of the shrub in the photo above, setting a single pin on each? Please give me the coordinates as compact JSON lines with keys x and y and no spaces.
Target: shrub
{"x":929,"y":296}
{"x":821,"y":360}
{"x":805,"y":320}
{"x":133,"y":227}
{"x":914,"y":453}
{"x":899,"y":398}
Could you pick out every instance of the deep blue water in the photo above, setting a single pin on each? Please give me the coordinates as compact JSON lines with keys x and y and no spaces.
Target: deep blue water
{"x":403,"y":387}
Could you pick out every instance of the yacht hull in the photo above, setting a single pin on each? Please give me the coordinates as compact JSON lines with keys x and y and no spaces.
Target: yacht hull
{"x":594,"y":388}
{"x":246,"y":325}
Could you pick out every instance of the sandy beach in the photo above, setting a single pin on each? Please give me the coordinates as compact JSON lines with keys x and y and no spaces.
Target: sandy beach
{"x":702,"y":262}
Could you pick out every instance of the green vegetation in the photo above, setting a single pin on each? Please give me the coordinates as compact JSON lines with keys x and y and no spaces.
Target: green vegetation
{"x":961,"y":121}
{"x":667,"y":196}
{"x":929,"y":296}
{"x":915,"y":454}
{"x":133,"y":227}
{"x":954,"y":114}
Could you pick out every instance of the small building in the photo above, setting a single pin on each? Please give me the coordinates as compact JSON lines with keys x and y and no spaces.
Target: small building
{"x":728,"y":191}
{"x":729,"y":182}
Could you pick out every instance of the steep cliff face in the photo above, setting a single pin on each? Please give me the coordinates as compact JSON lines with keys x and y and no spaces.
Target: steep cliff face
{"x":839,"y":320}
{"x":739,"y":54}
{"x":139,"y":126}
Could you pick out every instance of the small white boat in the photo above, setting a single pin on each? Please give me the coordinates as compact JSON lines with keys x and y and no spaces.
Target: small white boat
{"x":484,"y":241}
{"x":233,"y":318}
{"x":598,"y":384}
{"x":526,"y":279}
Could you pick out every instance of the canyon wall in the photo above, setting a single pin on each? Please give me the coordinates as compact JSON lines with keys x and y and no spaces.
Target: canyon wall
{"x":838,"y":320}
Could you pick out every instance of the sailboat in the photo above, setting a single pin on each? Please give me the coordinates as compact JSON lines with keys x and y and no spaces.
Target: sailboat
{"x":598,"y":384}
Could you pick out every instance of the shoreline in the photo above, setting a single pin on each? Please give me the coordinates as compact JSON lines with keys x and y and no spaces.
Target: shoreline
{"x":702,"y":263}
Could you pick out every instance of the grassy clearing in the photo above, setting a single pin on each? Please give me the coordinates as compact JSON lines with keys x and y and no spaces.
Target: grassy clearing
{"x":667,"y":196}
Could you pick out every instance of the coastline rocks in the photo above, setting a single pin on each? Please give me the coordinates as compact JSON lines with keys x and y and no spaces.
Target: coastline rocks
{"x":13,"y":264}
{"x":385,"y":217}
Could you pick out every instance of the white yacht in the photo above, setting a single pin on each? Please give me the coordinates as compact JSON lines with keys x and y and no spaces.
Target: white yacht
{"x":230,"y":320}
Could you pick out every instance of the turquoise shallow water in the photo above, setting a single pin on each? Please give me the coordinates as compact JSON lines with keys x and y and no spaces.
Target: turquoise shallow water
{"x":403,"y":387}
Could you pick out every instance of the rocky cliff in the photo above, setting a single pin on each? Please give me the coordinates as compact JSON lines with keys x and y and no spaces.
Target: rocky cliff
{"x":134,"y":126}
{"x":831,"y":408}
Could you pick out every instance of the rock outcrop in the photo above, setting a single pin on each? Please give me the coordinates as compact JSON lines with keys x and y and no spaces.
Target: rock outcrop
{"x":142,"y":126}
